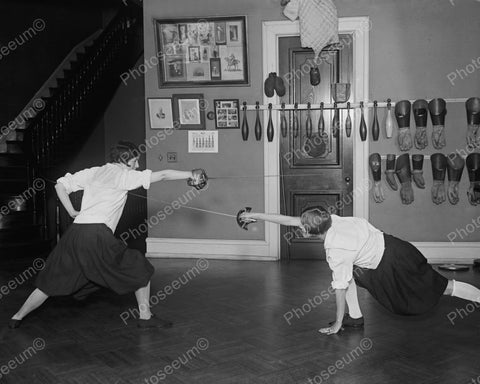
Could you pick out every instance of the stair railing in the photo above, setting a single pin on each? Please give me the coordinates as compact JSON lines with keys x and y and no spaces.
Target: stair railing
{"x":82,"y":95}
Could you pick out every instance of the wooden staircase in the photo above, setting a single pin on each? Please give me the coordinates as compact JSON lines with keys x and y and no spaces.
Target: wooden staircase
{"x":58,"y":121}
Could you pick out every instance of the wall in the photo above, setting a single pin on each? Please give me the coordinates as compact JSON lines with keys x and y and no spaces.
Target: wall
{"x":235,"y":158}
{"x":413,"y":46}
{"x":124,"y":118}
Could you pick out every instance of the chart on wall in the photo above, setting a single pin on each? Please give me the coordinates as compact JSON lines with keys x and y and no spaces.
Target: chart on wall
{"x":208,"y":51}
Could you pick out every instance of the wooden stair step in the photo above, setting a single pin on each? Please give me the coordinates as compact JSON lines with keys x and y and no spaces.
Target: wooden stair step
{"x":8,"y":159}
{"x":13,"y":171}
{"x":15,"y":203}
{"x":35,"y":247}
{"x":14,"y":146}
{"x":13,"y":185}
{"x":16,"y":218}
{"x":20,"y":233}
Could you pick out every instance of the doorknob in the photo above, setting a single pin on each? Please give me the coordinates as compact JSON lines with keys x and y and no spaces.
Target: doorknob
{"x":347,"y":179}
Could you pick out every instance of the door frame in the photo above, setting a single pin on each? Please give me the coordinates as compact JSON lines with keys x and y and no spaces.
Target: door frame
{"x":359,"y":27}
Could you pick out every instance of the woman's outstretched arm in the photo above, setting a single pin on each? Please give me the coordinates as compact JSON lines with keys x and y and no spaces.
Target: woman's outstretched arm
{"x":277,"y":219}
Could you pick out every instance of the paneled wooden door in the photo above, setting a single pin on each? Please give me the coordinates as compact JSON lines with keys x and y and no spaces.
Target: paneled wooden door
{"x":316,"y":170}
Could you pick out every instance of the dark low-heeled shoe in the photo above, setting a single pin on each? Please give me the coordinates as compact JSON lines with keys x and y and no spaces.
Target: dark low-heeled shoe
{"x":154,"y":322}
{"x":12,"y":324}
{"x":350,"y":322}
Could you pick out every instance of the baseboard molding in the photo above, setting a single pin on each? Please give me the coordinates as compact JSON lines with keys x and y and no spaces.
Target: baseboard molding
{"x":210,"y":249}
{"x":459,"y":253}
{"x":166,"y":248}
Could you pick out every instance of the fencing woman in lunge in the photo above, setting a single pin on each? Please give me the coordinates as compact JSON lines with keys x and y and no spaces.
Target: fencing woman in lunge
{"x":88,"y":255}
{"x":392,"y":270}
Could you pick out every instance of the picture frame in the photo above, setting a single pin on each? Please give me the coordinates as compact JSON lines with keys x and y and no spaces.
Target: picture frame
{"x":160,"y":112}
{"x":227,"y":113}
{"x":189,"y":111}
{"x":193,"y":52}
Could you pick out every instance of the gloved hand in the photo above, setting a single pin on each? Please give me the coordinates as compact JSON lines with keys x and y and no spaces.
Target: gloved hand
{"x":473,"y":135}
{"x":378,"y":193}
{"x":199,"y":179}
{"x":421,"y":139}
{"x":452,"y":192}
{"x":390,"y":177}
{"x":417,"y":165}
{"x":405,"y":139}
{"x":438,"y":136}
{"x":390,"y":172}
{"x":473,"y":193}
{"x":418,"y":179}
{"x":438,"y":191}
{"x":406,"y":193}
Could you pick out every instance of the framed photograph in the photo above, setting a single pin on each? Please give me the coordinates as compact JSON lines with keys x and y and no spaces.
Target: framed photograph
{"x":176,"y":68}
{"x":194,"y":54}
{"x":219,"y":44}
{"x":227,"y":114}
{"x":215,"y":69}
{"x":189,"y":111}
{"x":160,"y":112}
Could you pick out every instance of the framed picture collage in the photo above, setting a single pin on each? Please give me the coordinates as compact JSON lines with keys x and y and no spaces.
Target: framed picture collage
{"x":210,"y":51}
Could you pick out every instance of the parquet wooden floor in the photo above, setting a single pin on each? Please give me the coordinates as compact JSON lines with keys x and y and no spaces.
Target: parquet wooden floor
{"x":230,"y":327}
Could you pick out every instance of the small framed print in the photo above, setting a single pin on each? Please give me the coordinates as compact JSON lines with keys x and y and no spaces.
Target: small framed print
{"x":176,"y":68}
{"x":219,"y":44}
{"x":189,"y":111}
{"x":194,"y":54}
{"x":233,"y":33}
{"x":160,"y":112}
{"x":227,"y":114}
{"x":215,"y":69}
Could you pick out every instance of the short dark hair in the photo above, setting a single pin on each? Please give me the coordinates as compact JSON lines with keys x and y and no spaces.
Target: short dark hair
{"x":123,"y":152}
{"x":316,"y":220}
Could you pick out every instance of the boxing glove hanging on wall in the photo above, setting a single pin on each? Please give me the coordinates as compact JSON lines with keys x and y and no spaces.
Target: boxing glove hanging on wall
{"x":438,"y":110}
{"x":420,"y":114}
{"x":375,"y":163}
{"x":472,"y":105}
{"x":390,"y":172}
{"x":439,"y":168}
{"x":417,"y":172}
{"x":473,"y":166}
{"x":404,"y":174}
{"x":455,"y":165}
{"x":402,"y":114}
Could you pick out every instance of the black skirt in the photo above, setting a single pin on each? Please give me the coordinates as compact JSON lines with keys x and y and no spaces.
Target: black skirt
{"x":89,"y":255}
{"x":403,"y":282}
